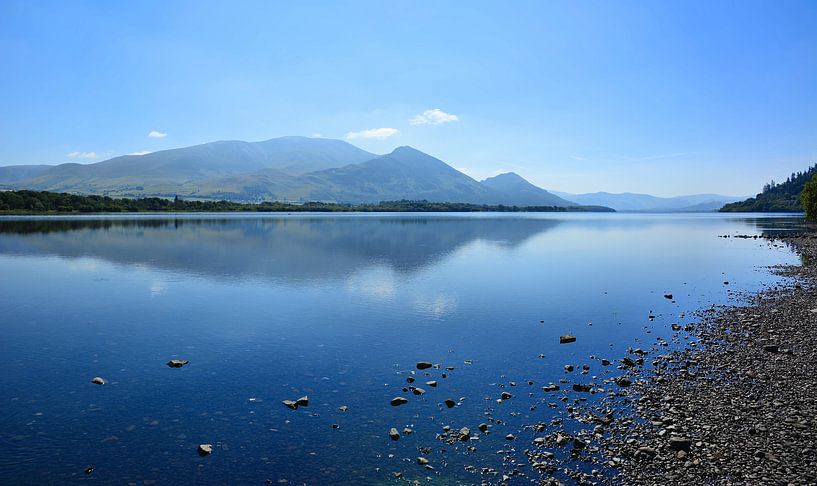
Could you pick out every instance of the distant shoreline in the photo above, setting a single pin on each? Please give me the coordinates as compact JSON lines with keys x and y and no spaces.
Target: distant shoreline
{"x":44,"y":203}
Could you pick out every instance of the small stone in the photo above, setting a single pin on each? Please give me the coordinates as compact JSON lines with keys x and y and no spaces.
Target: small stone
{"x":302,"y":402}
{"x":510,"y":437}
{"x":418,"y":391}
{"x":291,"y":404}
{"x":506,"y":395}
{"x":98,"y":380}
{"x":483,"y":427}
{"x":397,"y":401}
{"x":177,"y":363}
{"x":567,"y":338}
{"x":771,"y":348}
{"x":464,"y":434}
{"x":422,"y":461}
{"x":450,"y":403}
{"x":394,"y":434}
{"x":407,"y":431}
{"x":343,"y":408}
{"x":680,"y":443}
{"x":432,"y":384}
{"x":581,"y":388}
{"x":89,"y":469}
{"x":668,"y":296}
{"x":205,"y":449}
{"x":424,"y":365}
{"x":568,"y":368}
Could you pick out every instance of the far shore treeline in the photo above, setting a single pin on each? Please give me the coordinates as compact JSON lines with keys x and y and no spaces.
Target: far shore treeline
{"x":41,"y":202}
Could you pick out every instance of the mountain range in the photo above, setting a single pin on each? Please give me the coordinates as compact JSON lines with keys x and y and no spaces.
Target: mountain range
{"x":634,"y":202}
{"x":301,"y":169}
{"x":293,"y":169}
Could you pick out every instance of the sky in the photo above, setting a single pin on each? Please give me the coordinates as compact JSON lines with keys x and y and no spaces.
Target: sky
{"x":666,"y":98}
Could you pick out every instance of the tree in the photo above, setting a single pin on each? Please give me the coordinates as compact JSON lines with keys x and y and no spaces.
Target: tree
{"x":809,"y":199}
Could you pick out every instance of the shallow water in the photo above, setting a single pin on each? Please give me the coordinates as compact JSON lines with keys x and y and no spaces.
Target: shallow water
{"x":337,"y":307}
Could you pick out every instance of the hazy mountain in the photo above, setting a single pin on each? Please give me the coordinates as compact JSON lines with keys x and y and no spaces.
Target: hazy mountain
{"x":294,"y":169}
{"x":14,"y":173}
{"x":644,"y":202}
{"x":164,"y":171}
{"x":521,"y":192}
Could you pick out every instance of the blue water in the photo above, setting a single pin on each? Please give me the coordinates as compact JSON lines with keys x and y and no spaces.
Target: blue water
{"x":339,"y":308}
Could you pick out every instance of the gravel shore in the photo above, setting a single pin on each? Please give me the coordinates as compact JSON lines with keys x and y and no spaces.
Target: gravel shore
{"x":740,"y":407}
{"x":735,"y":405}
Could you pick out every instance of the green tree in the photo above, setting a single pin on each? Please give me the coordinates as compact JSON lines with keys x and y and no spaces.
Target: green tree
{"x":809,"y":199}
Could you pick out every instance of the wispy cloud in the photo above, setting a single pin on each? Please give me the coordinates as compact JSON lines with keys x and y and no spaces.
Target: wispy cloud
{"x":317,"y":135}
{"x":576,"y":157}
{"x":379,"y":133}
{"x":81,"y":155}
{"x":433,"y":117}
{"x":141,"y":152}
{"x":653,"y":157}
{"x":156,"y":134}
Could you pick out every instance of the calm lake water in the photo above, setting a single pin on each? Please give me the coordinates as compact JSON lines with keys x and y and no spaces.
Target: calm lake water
{"x":339,"y":308}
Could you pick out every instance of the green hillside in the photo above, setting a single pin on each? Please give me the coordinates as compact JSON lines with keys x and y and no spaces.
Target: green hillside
{"x":776,"y":198}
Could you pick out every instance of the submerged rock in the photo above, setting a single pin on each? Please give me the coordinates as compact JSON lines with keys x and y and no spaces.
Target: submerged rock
{"x":397,"y":401}
{"x":177,"y":363}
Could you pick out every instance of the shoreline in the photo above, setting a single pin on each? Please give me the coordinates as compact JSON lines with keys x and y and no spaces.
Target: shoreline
{"x":734,"y":403}
{"x":738,"y":405}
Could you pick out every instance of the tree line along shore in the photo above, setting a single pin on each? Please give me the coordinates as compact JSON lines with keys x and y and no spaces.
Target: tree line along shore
{"x":43,"y":202}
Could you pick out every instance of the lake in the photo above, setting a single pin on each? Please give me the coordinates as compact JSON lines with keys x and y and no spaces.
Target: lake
{"x":339,"y":307}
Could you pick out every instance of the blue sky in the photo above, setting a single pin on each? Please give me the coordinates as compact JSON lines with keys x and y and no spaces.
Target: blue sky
{"x":665,"y":98}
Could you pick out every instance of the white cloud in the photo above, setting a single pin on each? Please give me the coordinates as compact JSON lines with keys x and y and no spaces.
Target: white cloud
{"x":380,"y":133}
{"x":141,"y":152}
{"x":81,"y":155}
{"x":317,"y":135}
{"x":156,"y":134}
{"x":433,"y":117}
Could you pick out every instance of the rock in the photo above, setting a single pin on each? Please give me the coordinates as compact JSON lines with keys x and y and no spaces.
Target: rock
{"x":581,"y":388}
{"x":506,"y":395}
{"x":450,"y":403}
{"x":98,"y":380}
{"x":422,"y":461}
{"x":771,"y":348}
{"x":397,"y":401}
{"x":291,"y":404}
{"x":464,"y":434}
{"x":605,"y":362}
{"x":668,"y":296}
{"x":432,"y":384}
{"x":302,"y":402}
{"x":418,"y":391}
{"x":680,"y":444}
{"x":407,"y":431}
{"x":510,"y":437}
{"x":424,"y":365}
{"x":205,"y":449}
{"x":89,"y":469}
{"x":483,"y":427}
{"x":394,"y":434}
{"x":623,"y":381}
{"x":343,"y":408}
{"x":567,"y":338}
{"x":410,"y":379}
{"x":647,"y":451}
{"x":568,"y":368}
{"x":177,"y":363}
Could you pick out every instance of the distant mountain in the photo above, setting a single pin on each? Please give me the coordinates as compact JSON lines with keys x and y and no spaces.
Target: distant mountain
{"x":292,"y":169}
{"x":163,"y":172}
{"x":776,"y":198}
{"x":523,"y":192}
{"x":14,"y":173}
{"x":646,"y":203}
